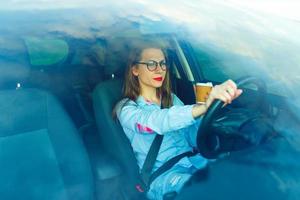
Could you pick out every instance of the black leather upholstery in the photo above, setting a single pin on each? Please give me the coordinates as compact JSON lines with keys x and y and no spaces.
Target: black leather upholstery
{"x":114,"y":140}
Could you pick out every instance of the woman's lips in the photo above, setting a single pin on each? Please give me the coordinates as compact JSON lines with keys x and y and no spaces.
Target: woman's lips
{"x":158,"y":78}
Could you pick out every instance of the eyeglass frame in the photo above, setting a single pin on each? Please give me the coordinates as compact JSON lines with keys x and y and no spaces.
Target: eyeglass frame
{"x":160,"y":63}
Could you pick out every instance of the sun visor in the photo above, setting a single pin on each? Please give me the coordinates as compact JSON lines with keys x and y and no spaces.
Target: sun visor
{"x":46,"y":51}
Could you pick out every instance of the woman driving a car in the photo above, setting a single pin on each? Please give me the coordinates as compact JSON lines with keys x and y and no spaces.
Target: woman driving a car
{"x":149,"y":107}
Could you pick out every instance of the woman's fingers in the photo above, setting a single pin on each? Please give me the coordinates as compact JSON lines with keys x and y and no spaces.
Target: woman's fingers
{"x":226,"y":96}
{"x":238,"y":93}
{"x":226,"y":92}
{"x":231,"y":84}
{"x":230,"y":91}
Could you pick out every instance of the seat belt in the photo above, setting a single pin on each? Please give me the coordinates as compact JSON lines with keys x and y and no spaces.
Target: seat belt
{"x":146,"y":171}
{"x":170,"y":163}
{"x":146,"y":175}
{"x":151,"y":158}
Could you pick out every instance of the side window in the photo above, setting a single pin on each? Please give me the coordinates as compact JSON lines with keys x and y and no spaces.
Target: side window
{"x":174,"y":72}
{"x":183,"y":78}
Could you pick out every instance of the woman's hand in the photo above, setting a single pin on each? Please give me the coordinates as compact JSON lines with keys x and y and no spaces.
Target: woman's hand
{"x":225,"y":92}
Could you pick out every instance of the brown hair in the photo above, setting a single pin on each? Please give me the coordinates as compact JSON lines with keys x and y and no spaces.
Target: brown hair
{"x":131,"y":88}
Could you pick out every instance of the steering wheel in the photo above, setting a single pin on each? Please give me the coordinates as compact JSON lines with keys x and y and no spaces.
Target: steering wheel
{"x":208,"y":142}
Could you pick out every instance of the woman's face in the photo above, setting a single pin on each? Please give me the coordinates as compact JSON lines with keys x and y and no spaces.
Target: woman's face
{"x":149,"y":76}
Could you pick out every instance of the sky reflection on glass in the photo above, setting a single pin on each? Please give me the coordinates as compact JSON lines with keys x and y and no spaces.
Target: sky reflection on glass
{"x":263,"y":32}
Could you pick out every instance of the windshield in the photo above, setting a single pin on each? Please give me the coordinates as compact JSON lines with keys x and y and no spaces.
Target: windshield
{"x":249,"y":39}
{"x":68,"y":49}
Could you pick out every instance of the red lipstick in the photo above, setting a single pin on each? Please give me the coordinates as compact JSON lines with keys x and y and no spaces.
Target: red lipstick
{"x":158,"y":78}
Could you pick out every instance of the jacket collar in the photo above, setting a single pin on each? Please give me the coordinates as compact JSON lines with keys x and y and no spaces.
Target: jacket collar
{"x":142,"y":101}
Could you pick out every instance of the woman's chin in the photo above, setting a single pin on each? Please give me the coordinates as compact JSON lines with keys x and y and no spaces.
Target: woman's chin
{"x":157,"y":85}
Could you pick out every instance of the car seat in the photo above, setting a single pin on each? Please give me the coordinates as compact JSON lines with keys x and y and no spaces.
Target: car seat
{"x":114,"y":141}
{"x":41,"y":153}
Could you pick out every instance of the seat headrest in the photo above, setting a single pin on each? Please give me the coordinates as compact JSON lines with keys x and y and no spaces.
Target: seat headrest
{"x":116,"y":57}
{"x":12,"y":73}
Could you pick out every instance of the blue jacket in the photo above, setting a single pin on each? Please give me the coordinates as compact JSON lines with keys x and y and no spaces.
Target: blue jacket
{"x":142,"y":119}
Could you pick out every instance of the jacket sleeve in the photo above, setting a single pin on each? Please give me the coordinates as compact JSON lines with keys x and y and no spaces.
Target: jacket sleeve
{"x":191,"y":134}
{"x":160,"y":121}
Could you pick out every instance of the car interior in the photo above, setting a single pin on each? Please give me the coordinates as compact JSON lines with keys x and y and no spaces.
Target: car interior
{"x":70,"y":101}
{"x":58,"y":139}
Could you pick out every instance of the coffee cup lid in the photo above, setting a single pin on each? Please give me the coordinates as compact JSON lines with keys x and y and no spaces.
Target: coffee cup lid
{"x":205,"y":84}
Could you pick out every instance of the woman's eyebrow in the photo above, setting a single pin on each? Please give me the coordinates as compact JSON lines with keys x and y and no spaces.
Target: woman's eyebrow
{"x":155,"y":59}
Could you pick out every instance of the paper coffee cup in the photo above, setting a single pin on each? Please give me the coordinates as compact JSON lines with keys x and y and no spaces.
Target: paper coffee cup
{"x":202,"y":92}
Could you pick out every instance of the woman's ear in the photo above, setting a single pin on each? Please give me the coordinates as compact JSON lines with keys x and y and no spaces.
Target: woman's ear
{"x":135,"y":71}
